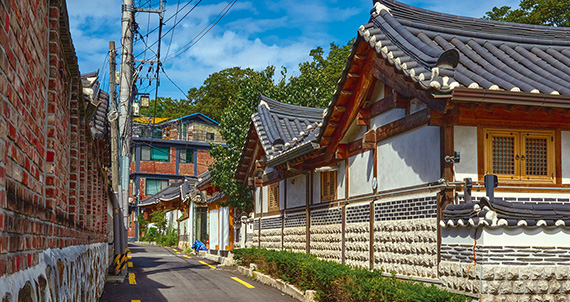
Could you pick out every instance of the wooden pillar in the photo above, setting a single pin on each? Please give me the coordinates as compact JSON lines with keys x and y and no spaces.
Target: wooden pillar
{"x":371,"y":231}
{"x":308,"y":200}
{"x":343,"y":235}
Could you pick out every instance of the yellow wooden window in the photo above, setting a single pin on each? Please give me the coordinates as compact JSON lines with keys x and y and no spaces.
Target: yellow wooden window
{"x":273,"y":197}
{"x":328,"y":186}
{"x":519,"y":155}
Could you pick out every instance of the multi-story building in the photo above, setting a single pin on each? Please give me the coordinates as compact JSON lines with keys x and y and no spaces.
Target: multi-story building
{"x":168,"y":152}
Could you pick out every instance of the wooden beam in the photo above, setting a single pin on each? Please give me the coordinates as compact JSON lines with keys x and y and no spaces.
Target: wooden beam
{"x":387,"y":74}
{"x":447,"y":148}
{"x":341,"y":151}
{"x":353,"y":105}
{"x":407,"y":123}
{"x":369,"y":140}
{"x":363,"y":117}
{"x":339,"y":109}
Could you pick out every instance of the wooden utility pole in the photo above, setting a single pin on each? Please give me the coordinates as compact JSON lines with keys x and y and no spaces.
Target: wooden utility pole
{"x":113,"y":115}
{"x":113,"y":119}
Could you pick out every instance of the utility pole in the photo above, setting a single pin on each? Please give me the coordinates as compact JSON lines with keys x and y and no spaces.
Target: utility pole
{"x":113,"y":115}
{"x":125,"y":97}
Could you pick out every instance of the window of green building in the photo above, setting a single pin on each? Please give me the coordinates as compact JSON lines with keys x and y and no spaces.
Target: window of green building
{"x":155,"y":153}
{"x":186,"y":156}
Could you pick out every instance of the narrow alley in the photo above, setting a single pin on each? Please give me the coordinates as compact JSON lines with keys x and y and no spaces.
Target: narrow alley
{"x":163,"y":274}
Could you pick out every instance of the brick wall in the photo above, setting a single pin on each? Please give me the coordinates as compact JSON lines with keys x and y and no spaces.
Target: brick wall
{"x":53,"y":189}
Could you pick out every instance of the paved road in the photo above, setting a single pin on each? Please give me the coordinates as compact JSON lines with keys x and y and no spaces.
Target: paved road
{"x":161,"y":274}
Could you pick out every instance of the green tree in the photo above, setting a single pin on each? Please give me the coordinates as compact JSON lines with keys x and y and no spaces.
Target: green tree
{"x":168,"y":108}
{"x":314,"y":86}
{"x":218,"y":91}
{"x":540,"y":12}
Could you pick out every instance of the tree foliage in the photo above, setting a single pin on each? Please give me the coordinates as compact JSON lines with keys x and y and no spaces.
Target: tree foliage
{"x":540,"y":12}
{"x":168,"y":108}
{"x":314,"y":86}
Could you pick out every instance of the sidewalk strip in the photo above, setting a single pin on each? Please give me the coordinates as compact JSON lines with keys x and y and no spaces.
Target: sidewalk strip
{"x":132,"y":278}
{"x":207,"y":264}
{"x":243,"y":282}
{"x":129,"y":264}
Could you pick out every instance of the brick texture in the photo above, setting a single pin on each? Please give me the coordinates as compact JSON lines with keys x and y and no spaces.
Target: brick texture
{"x":53,"y":189}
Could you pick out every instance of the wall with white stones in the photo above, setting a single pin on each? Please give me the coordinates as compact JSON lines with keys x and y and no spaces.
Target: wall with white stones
{"x":74,"y":273}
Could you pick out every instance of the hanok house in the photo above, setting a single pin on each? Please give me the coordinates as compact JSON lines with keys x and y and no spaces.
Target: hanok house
{"x":168,"y":152}
{"x":391,"y":175}
{"x":197,"y":210}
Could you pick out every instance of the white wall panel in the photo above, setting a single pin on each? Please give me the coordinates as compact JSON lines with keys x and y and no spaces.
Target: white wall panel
{"x":465,"y":141}
{"x":360,"y":174}
{"x":296,"y":191}
{"x":412,"y":158}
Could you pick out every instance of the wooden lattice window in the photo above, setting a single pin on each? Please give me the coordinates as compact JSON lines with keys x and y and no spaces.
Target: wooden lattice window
{"x":520,"y":155}
{"x":328,"y":186}
{"x":273,"y":197}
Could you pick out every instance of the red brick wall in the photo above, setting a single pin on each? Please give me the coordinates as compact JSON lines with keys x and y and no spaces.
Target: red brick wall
{"x":52,"y":186}
{"x":160,"y":167}
{"x":204,"y":161}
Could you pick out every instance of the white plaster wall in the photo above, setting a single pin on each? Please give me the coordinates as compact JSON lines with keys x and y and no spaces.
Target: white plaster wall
{"x":264,"y":203}
{"x":316,"y":190}
{"x":257,"y":200}
{"x":416,"y":105}
{"x":354,"y":132}
{"x":214,"y":234}
{"x":360,"y":174}
{"x":556,"y":237}
{"x":340,"y":181}
{"x":565,"y":157}
{"x":409,"y":159}
{"x":296,"y":191}
{"x":282,"y":194}
{"x":387,"y":117}
{"x":225,"y":227}
{"x":465,"y":142}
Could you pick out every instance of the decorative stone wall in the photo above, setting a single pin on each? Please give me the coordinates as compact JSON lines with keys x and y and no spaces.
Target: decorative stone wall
{"x":508,"y":282}
{"x":270,"y":234}
{"x":407,"y":247}
{"x":326,"y":234}
{"x":294,"y":233}
{"x":506,"y":255}
{"x":357,"y":235}
{"x":75,"y":273}
{"x":255,"y":237}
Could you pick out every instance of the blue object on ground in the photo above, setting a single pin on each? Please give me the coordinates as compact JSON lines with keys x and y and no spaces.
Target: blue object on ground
{"x":199,"y":246}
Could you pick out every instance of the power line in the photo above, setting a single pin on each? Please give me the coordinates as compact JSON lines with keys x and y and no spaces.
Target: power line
{"x":171,"y":81}
{"x":207,"y":29}
{"x":172,"y":34}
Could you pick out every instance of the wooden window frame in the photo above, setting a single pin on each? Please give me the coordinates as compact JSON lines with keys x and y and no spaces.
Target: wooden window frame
{"x":273,"y":197}
{"x":325,"y":183}
{"x":520,"y":135}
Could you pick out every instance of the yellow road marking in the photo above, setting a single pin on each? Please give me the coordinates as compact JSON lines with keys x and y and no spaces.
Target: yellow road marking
{"x":177,"y":252}
{"x":132,"y":278}
{"x":207,"y":264}
{"x":129,"y":257}
{"x":129,"y":264}
{"x":243,"y":282}
{"x":187,"y":256}
{"x":135,"y":300}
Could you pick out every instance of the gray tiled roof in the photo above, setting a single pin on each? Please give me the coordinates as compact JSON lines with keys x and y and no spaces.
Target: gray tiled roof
{"x":281,"y":127}
{"x":173,"y":191}
{"x":99,"y":98}
{"x":442,"y":51}
{"x":500,"y":213}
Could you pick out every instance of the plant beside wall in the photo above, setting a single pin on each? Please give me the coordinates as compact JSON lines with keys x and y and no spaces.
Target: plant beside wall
{"x":155,"y":230}
{"x":338,"y":282}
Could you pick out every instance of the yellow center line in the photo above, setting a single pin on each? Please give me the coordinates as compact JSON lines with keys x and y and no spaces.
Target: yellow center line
{"x":177,"y":252}
{"x":129,"y":264}
{"x":135,"y":300}
{"x":243,"y":282}
{"x":132,"y":278}
{"x":187,"y":256}
{"x":207,"y":264}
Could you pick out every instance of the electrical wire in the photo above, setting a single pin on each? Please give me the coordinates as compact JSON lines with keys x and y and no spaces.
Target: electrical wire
{"x":172,"y":34}
{"x":171,"y":81}
{"x":201,"y":34}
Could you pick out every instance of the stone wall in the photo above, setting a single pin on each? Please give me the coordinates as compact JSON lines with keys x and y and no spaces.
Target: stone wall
{"x":294,"y":232}
{"x":326,"y":234}
{"x":357,"y":234}
{"x":75,"y":273}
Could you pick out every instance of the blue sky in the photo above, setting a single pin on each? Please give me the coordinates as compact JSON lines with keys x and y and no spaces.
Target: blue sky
{"x":253,"y":34}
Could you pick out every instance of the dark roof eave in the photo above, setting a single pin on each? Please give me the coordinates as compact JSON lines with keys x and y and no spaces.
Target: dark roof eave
{"x":294,"y":153}
{"x":510,"y":98}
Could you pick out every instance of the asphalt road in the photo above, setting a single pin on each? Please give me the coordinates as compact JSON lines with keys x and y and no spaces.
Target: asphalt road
{"x":162,"y":274}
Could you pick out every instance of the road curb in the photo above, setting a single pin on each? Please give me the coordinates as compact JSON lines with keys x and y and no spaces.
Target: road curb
{"x":285,"y":287}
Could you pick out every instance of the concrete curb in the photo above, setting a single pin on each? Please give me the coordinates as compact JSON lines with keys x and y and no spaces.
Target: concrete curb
{"x":287,"y":288}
